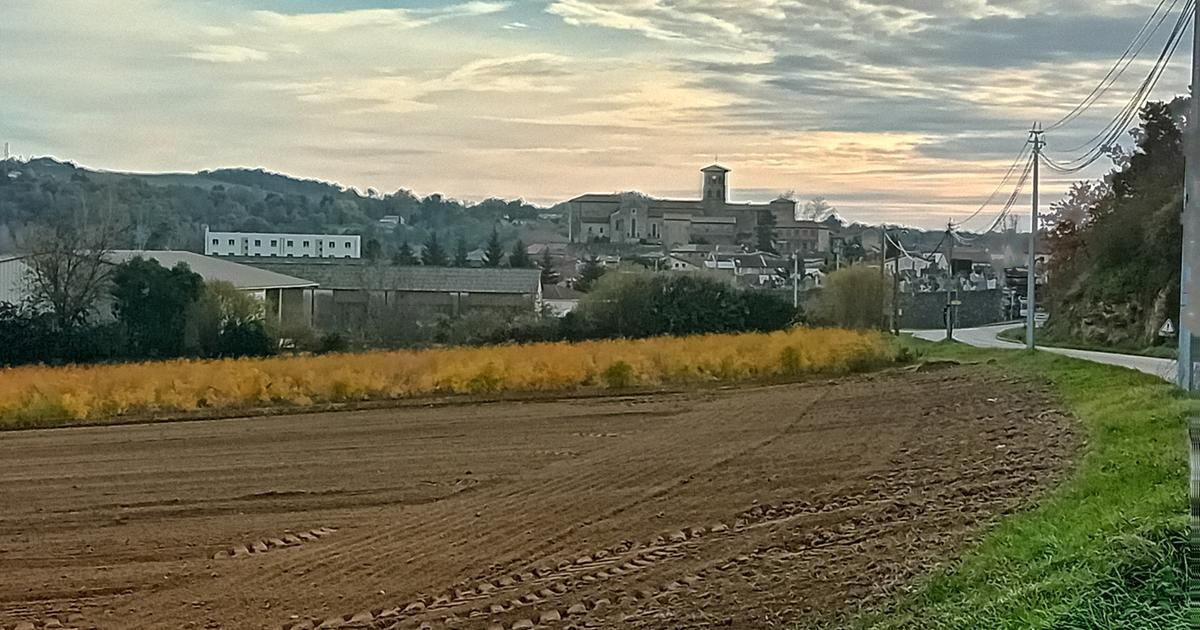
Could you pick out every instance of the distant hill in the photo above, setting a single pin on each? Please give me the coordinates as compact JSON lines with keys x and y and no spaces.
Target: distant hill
{"x":255,"y":179}
{"x":170,"y":209}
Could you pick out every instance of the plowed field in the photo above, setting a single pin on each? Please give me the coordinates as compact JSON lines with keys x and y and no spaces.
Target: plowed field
{"x":740,"y":507}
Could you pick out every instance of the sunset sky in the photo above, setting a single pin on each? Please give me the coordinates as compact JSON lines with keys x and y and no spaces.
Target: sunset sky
{"x":895,"y":110}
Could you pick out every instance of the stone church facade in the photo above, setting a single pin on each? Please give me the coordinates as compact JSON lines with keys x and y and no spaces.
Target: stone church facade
{"x":712,"y":219}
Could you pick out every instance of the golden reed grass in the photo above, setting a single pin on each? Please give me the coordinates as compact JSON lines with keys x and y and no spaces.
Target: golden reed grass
{"x":37,"y":395}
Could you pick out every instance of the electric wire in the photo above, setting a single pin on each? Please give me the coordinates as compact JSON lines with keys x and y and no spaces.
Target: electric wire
{"x":1114,"y":74}
{"x":1024,"y":154}
{"x":1098,"y":146}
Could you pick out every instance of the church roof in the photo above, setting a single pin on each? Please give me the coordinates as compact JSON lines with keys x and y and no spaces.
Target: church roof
{"x":601,"y":197}
{"x":714,"y":168}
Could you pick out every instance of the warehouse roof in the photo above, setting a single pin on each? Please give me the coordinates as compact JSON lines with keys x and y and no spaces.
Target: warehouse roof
{"x":359,"y":274}
{"x":210,"y":268}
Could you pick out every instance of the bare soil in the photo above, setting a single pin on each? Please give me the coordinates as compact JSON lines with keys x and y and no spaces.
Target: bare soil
{"x":749,"y":507}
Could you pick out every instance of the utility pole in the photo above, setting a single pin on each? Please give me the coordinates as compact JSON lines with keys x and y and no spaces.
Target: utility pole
{"x":795,"y":280}
{"x":1035,"y":136}
{"x":1189,"y":289}
{"x":896,"y":295}
{"x":1189,"y":294}
{"x":951,"y":283}
{"x":883,"y":230}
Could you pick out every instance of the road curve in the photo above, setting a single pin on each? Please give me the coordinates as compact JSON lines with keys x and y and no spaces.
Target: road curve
{"x":986,"y":337}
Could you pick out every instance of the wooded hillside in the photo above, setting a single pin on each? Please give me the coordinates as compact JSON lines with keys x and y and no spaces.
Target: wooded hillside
{"x":167,"y":211}
{"x":1116,"y":242}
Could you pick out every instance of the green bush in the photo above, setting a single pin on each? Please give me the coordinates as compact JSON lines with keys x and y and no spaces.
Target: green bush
{"x":618,"y":375}
{"x":854,"y":297}
{"x":639,"y":305}
{"x":332,"y":342}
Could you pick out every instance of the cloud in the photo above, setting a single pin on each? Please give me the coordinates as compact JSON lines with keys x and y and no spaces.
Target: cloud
{"x":536,"y":72}
{"x":891,"y":108}
{"x":581,"y":13}
{"x":217,"y":53}
{"x":330,"y":22}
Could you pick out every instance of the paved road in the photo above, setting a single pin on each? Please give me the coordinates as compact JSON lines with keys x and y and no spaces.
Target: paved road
{"x":985,"y":337}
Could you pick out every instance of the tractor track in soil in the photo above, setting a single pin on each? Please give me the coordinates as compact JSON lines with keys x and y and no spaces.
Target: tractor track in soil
{"x":746,"y":507}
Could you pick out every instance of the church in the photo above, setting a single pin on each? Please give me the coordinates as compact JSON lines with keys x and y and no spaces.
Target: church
{"x":712,"y":219}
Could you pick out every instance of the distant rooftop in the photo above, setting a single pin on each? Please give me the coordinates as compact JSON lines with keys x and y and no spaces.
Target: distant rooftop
{"x":349,"y":274}
{"x":210,"y":268}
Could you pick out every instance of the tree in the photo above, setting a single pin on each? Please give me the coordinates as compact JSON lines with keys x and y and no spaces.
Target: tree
{"x":461,"y":252}
{"x":519,"y":258}
{"x":68,"y":270}
{"x":404,"y":256}
{"x":817,"y":208}
{"x":764,"y":231}
{"x":852,"y":297}
{"x":494,"y":253}
{"x":853,"y":251}
{"x":1067,"y":219}
{"x":549,"y":273}
{"x":152,"y":304}
{"x":372,"y":250}
{"x":221,"y":306}
{"x":591,"y":272}
{"x":434,"y":255}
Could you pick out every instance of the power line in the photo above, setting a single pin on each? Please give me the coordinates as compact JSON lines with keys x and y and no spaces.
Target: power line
{"x":1012,"y":199}
{"x":1117,"y":126}
{"x":1144,"y":36}
{"x":1096,"y":148}
{"x":1008,"y":175}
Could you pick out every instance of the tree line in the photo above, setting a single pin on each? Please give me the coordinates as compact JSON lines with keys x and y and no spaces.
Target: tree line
{"x":634,"y":306}
{"x":434,"y":253}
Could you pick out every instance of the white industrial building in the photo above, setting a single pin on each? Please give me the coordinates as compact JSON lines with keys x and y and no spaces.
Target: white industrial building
{"x":282,"y":245}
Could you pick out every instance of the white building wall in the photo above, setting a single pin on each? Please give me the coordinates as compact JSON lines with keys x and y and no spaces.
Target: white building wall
{"x":13,"y":281}
{"x":282,"y":245}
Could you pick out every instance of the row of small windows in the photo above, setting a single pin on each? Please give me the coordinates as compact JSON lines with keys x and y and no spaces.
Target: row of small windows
{"x":274,"y":243}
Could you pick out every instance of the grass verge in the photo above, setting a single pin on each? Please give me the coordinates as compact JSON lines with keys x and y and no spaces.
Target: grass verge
{"x":1107,"y":548}
{"x":1018,"y":335}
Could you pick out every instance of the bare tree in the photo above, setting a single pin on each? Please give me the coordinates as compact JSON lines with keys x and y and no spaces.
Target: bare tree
{"x":817,"y":209}
{"x":69,"y":269}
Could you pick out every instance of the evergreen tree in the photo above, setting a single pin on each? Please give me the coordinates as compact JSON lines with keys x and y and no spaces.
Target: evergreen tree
{"x":494,"y":254}
{"x":764,"y":232}
{"x":434,"y":255}
{"x":152,"y":302}
{"x":549,"y":273}
{"x":372,"y":250}
{"x":460,"y":252}
{"x":404,"y":256}
{"x":519,"y":258}
{"x":591,"y":272}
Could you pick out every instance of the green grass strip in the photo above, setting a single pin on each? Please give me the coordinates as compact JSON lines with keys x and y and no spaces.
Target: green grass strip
{"x":1106,"y":549}
{"x":1017,"y":335}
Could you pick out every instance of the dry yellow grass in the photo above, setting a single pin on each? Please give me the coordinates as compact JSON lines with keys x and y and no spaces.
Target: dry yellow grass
{"x":31,"y":396}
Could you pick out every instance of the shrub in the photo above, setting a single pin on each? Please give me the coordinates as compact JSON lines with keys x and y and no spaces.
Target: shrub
{"x":854,"y":297}
{"x":332,"y":342}
{"x":245,"y":339}
{"x":640,"y":305}
{"x":618,"y":375}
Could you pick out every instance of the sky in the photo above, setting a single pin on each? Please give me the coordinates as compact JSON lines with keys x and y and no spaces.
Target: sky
{"x":905,"y":111}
